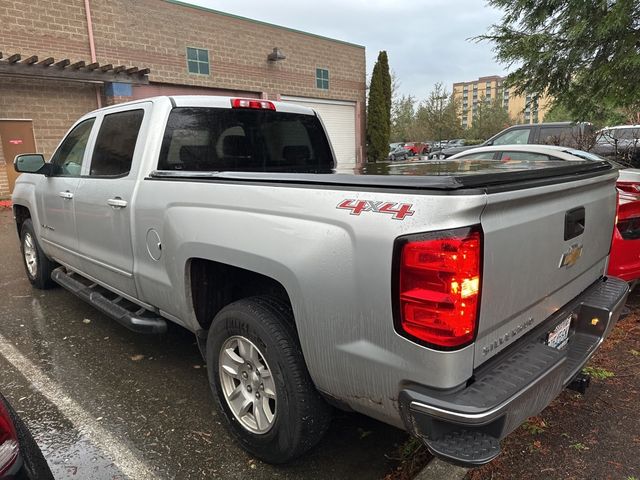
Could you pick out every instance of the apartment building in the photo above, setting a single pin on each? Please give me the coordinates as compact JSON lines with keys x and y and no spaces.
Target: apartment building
{"x":527,"y":108}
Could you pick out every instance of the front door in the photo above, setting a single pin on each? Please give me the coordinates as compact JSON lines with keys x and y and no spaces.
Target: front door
{"x":103,"y":200}
{"x":17,"y":137}
{"x":57,"y":193}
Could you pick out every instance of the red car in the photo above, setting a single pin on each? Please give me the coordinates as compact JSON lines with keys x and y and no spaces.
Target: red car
{"x":416,"y":148}
{"x":624,"y":260}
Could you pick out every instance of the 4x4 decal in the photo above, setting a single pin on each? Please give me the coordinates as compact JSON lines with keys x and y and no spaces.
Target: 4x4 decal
{"x":398,"y":210}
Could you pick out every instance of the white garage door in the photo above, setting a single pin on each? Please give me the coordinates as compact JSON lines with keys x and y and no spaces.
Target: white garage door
{"x":340,"y":121}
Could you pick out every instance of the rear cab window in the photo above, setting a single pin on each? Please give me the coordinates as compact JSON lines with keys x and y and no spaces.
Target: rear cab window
{"x":219,"y":139}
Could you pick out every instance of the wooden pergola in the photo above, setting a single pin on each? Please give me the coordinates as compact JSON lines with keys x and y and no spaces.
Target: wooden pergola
{"x":49,"y":68}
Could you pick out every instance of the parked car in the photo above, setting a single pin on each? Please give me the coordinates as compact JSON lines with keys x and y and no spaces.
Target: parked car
{"x":416,"y":148}
{"x":556,"y":133}
{"x":621,"y":142}
{"x":20,"y":456}
{"x":398,"y":153}
{"x":452,"y":302}
{"x":624,"y":260}
{"x":458,"y":142}
{"x":393,"y":146}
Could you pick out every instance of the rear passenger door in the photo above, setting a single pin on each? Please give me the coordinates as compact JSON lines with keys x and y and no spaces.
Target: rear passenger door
{"x":103,"y":198}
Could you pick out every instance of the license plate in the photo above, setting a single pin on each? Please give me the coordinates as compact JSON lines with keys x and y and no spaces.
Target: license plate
{"x":559,"y":336}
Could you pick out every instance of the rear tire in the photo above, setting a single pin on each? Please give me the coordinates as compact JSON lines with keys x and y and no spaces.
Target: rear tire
{"x":36,"y":264}
{"x":252,"y":348}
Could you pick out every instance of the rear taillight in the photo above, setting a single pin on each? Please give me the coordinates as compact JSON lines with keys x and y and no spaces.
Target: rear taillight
{"x":8,"y":441}
{"x":629,"y":228}
{"x":629,"y":187}
{"x":250,"y":103}
{"x":437,"y":286}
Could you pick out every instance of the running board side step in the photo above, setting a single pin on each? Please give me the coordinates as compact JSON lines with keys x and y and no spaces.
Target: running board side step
{"x":126,"y":313}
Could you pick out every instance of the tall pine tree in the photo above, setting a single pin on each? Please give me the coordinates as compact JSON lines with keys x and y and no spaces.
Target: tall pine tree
{"x":379,"y":110}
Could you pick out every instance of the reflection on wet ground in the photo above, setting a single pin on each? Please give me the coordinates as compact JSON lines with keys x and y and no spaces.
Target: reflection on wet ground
{"x":149,"y":392}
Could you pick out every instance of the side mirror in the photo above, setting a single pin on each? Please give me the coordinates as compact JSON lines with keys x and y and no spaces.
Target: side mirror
{"x":488,"y":143}
{"x":29,"y":163}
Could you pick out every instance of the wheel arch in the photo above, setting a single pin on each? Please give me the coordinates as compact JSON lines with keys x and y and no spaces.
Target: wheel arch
{"x":212,"y":285}
{"x":20,"y":213}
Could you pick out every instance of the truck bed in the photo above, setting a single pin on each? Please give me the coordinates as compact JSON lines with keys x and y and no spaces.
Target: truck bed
{"x":445,"y":176}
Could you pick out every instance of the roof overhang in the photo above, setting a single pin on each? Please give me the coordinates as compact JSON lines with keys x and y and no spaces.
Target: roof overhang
{"x":32,"y":67}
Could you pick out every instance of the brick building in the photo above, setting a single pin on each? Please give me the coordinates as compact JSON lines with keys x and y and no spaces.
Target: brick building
{"x":188,"y":50}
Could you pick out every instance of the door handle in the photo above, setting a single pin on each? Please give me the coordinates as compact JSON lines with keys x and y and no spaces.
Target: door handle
{"x":117,"y":202}
{"x":66,"y":195}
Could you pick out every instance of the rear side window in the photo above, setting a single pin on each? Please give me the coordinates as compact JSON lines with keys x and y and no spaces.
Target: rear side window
{"x":478,"y":156}
{"x":116,"y":143}
{"x":218,"y":139}
{"x":516,"y":156}
{"x":555,"y":135}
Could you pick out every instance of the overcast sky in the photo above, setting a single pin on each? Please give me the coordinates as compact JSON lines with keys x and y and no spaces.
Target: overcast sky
{"x":427,"y":41}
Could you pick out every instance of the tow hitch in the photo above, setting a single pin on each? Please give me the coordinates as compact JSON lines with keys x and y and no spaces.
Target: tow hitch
{"x":580,"y":383}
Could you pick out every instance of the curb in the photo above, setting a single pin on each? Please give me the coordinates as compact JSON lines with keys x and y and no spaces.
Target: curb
{"x":438,"y":469}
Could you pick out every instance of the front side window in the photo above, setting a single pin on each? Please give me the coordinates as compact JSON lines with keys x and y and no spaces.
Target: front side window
{"x":116,"y":143}
{"x":513,"y":137}
{"x":198,"y":61}
{"x":69,"y":156}
{"x":219,"y":139}
{"x":322,"y":78}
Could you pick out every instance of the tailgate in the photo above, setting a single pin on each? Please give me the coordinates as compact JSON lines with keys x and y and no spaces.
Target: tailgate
{"x":529,"y":269}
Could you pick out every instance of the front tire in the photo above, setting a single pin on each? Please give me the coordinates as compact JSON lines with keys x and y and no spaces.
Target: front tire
{"x":36,"y":264}
{"x":260,"y":381}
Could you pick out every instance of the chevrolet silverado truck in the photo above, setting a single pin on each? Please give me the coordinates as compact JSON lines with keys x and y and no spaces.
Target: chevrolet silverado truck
{"x":451,"y":299}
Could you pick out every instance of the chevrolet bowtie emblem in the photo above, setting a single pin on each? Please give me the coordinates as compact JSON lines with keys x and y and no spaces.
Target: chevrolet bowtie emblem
{"x":570,"y":257}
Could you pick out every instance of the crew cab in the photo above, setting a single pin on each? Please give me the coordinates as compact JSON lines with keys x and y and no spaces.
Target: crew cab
{"x":452,"y":299}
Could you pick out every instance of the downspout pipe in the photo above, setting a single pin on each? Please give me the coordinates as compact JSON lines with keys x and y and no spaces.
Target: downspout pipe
{"x":92,"y":46}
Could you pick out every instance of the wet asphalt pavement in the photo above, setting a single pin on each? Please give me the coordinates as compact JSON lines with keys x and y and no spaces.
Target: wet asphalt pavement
{"x":105,"y":403}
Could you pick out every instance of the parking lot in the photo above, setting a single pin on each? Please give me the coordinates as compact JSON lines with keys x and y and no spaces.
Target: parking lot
{"x":106,"y":403}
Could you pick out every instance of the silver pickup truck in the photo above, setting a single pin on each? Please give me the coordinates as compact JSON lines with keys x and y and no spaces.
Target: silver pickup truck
{"x":452,"y":299}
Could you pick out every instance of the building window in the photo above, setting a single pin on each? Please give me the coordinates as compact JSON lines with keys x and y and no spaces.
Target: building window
{"x":322,"y":78}
{"x":198,"y":61}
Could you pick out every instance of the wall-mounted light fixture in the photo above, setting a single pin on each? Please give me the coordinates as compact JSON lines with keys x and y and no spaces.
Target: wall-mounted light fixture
{"x":276,"y":55}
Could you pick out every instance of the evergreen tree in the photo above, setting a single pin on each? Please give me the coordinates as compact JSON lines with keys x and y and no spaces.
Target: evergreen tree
{"x":379,"y":110}
{"x":584,"y":54}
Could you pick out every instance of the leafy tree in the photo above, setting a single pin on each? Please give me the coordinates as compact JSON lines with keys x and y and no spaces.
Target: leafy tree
{"x":437,"y":117}
{"x":585,"y":54}
{"x":379,"y":110}
{"x":490,"y":118}
{"x":403,"y":118}
{"x":559,"y":113}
